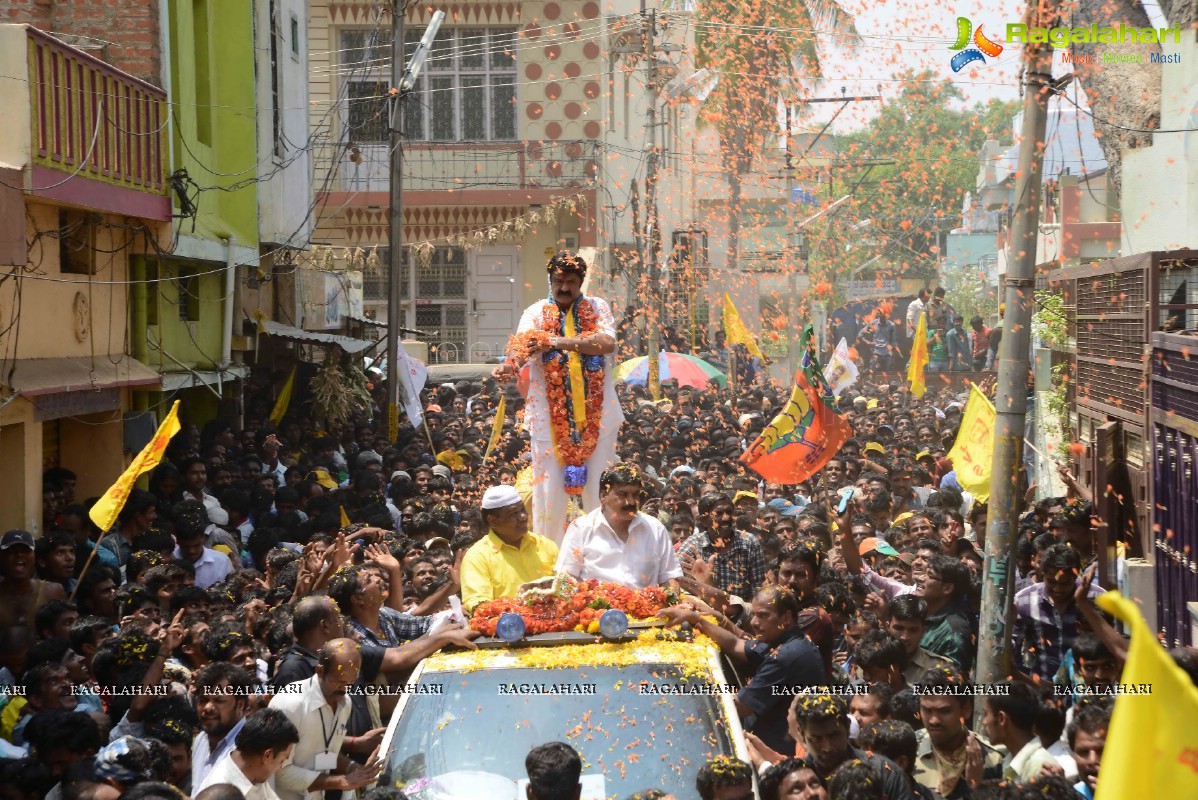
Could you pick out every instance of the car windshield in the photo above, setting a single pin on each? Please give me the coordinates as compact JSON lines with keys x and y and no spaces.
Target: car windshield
{"x":470,"y":741}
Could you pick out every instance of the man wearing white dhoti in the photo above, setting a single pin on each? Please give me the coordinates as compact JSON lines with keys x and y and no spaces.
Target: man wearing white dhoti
{"x":571,"y":412}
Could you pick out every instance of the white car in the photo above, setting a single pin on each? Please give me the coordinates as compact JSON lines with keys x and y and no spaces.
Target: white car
{"x":644,"y":712}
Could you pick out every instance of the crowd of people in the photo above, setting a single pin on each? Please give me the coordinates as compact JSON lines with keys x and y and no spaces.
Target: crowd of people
{"x":149,"y":661}
{"x":951,"y":345}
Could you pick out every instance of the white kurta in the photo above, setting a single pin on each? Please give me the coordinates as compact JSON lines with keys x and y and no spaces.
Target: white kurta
{"x":549,"y":499}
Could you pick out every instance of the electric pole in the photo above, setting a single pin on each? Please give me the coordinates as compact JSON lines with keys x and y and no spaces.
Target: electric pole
{"x":654,"y":318}
{"x":796,"y":240}
{"x":403,"y":78}
{"x":794,"y":248}
{"x":1006,"y":501}
{"x":395,"y":250}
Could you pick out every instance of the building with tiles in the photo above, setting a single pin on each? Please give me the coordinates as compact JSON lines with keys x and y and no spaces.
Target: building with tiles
{"x":514,"y":147}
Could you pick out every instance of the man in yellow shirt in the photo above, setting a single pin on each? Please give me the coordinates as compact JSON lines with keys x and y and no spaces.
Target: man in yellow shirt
{"x":509,"y":555}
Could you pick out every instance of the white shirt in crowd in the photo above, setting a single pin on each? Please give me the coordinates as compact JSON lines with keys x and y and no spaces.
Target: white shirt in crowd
{"x":321,"y":730}
{"x":591,"y":550}
{"x":227,"y":771}
{"x":916,"y":308}
{"x":216,"y":514}
{"x":213,"y":567}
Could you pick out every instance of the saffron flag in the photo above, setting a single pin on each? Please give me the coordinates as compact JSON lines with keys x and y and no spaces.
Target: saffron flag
{"x":497,"y":428}
{"x":1151,"y":746}
{"x":973,"y":451}
{"x":735,"y":331}
{"x":919,"y":357}
{"x":806,"y":433}
{"x":841,"y":372}
{"x":108,"y":507}
{"x":280,"y":409}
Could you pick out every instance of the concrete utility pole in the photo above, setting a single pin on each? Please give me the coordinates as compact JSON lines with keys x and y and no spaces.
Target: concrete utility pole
{"x":1006,"y":501}
{"x":402,"y":80}
{"x":796,"y":240}
{"x":795,"y":246}
{"x":654,"y":306}
{"x":395,"y":247}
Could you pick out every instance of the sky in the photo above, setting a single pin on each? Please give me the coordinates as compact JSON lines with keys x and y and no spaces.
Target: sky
{"x":918,"y":34}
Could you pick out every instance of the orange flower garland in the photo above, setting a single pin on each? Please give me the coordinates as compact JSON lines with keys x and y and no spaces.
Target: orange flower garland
{"x":557,"y":614}
{"x":573,"y":453}
{"x":521,"y":345}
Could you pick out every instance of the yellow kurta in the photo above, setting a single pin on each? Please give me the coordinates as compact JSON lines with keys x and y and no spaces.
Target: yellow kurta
{"x":493,"y":569}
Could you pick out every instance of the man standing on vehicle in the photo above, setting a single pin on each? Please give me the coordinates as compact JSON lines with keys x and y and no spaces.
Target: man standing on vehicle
{"x":781,"y":658}
{"x":571,"y":359}
{"x":509,"y":555}
{"x":616,"y":543}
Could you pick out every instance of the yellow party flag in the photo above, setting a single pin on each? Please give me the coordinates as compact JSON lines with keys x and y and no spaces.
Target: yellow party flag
{"x":106,"y":510}
{"x":735,"y":331}
{"x":1151,"y":746}
{"x":345,"y":523}
{"x":973,"y":451}
{"x":497,"y":427}
{"x":919,"y":358}
{"x":280,"y":409}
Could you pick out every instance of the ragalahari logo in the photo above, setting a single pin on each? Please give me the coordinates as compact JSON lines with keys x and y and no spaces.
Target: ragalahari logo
{"x":982,"y":46}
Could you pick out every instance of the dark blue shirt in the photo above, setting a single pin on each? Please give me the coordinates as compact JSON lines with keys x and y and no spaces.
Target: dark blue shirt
{"x":779,"y":671}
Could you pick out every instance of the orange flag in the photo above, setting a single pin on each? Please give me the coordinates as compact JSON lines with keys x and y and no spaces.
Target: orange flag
{"x":800,"y":440}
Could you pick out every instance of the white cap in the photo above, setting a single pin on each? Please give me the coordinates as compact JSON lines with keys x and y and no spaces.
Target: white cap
{"x":500,"y":497}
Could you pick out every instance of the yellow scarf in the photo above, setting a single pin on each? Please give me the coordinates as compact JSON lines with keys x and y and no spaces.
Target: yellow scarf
{"x":577,"y":385}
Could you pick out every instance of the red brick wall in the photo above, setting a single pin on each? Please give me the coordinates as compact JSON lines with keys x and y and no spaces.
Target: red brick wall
{"x":123,"y":33}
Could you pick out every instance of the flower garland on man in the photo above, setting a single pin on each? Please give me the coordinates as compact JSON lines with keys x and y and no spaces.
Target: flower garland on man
{"x":572,"y":413}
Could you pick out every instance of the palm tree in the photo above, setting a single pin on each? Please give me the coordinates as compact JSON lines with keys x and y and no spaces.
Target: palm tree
{"x":764,"y":52}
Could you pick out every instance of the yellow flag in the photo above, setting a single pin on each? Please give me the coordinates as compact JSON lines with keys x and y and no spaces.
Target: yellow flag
{"x":106,"y":510}
{"x":345,"y":523}
{"x":919,"y":358}
{"x":973,"y":451}
{"x":1151,"y":746}
{"x":735,"y":331}
{"x":497,"y":427}
{"x":280,"y":409}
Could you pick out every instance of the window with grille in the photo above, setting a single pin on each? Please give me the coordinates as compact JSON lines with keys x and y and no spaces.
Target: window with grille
{"x":466,"y":92}
{"x":1178,"y":295}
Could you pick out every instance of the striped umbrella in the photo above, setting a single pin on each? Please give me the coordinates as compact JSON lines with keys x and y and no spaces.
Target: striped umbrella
{"x":687,"y":370}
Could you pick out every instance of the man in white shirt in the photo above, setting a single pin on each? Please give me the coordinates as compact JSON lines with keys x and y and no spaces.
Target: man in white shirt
{"x":319,"y":708}
{"x":195,"y":481}
{"x":616,"y":543}
{"x":588,"y":348}
{"x":222,"y":697}
{"x":1010,"y":720}
{"x":264,"y":743}
{"x":210,"y":566}
{"x":918,"y":306}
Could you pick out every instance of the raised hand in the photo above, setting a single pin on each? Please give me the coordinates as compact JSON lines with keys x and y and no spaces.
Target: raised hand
{"x":379,"y":554}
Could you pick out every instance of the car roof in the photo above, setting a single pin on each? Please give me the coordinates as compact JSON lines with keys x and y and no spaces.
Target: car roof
{"x":695,"y":656}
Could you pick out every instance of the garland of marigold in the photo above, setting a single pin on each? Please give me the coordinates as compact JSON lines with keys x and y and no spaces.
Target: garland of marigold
{"x":574,"y":443}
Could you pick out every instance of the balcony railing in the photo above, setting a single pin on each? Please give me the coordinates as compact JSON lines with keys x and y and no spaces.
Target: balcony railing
{"x":91,"y":119}
{"x":455,"y":166}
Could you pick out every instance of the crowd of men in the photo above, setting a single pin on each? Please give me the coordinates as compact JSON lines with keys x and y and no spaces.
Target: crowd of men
{"x":235,"y":575}
{"x":951,"y":345}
